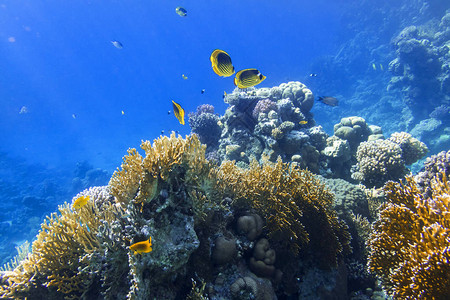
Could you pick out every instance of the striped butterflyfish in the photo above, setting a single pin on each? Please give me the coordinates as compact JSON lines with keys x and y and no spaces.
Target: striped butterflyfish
{"x":178,"y":111}
{"x":248,"y":78}
{"x":221,"y":63}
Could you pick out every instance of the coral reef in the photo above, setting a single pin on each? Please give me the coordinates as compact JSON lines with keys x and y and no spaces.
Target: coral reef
{"x":271,"y":122}
{"x":383,"y":160}
{"x":378,"y":162}
{"x":61,"y":256}
{"x":292,"y":202}
{"x":421,"y":72}
{"x":421,"y":67}
{"x":352,"y":129}
{"x":409,"y":243}
{"x":412,"y":148}
{"x":433,"y":166}
{"x":22,"y":254}
{"x":205,"y":124}
{"x":340,"y":150}
{"x":263,"y":259}
{"x":264,"y":106}
{"x":200,"y":217}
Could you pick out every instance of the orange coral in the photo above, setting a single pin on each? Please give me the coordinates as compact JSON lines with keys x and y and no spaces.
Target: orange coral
{"x":409,"y":246}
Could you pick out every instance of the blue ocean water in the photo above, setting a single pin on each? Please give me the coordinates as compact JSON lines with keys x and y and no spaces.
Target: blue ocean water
{"x":72,"y":103}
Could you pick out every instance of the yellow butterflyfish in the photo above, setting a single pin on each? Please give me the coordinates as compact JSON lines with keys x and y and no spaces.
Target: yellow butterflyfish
{"x":178,"y":111}
{"x":184,"y":76}
{"x":247,"y":78}
{"x":221,"y":63}
{"x":303,"y":122}
{"x":381,"y":67}
{"x":142,"y":247}
{"x":80,"y":202}
{"x":374,"y":66}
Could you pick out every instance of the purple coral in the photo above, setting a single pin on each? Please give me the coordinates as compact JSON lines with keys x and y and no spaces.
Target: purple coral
{"x":205,"y":124}
{"x":433,"y":166}
{"x":205,"y":108}
{"x":264,"y":106}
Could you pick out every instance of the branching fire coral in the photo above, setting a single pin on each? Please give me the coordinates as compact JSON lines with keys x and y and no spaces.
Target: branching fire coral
{"x":409,"y":246}
{"x":139,"y":176}
{"x":57,"y":254}
{"x":293,"y":202}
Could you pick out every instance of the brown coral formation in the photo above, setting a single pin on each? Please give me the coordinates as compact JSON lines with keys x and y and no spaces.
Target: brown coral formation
{"x":263,"y":259}
{"x":409,"y":243}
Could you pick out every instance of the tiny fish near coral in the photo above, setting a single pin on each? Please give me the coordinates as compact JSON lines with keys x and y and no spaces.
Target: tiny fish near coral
{"x":142,"y":247}
{"x":80,"y":202}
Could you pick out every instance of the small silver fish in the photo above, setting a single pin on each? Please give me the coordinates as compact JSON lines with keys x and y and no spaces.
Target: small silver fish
{"x":117,"y":44}
{"x":23,"y":110}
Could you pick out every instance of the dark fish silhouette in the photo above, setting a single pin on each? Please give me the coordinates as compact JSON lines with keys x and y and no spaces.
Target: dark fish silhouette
{"x":331,"y":101}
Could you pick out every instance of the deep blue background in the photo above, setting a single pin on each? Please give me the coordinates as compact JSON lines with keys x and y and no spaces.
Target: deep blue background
{"x":62,"y":63}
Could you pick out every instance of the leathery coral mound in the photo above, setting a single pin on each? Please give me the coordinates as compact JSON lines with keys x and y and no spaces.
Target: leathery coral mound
{"x":409,"y":246}
{"x":168,"y":195}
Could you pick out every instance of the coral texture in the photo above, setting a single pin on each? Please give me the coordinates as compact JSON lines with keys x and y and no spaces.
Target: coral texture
{"x":60,"y":258}
{"x":412,"y":148}
{"x":264,"y":106}
{"x":409,"y":246}
{"x":378,"y":162}
{"x":271,"y":122}
{"x":433,"y":166}
{"x":293,"y":202}
{"x":205,"y":124}
{"x":352,"y":129}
